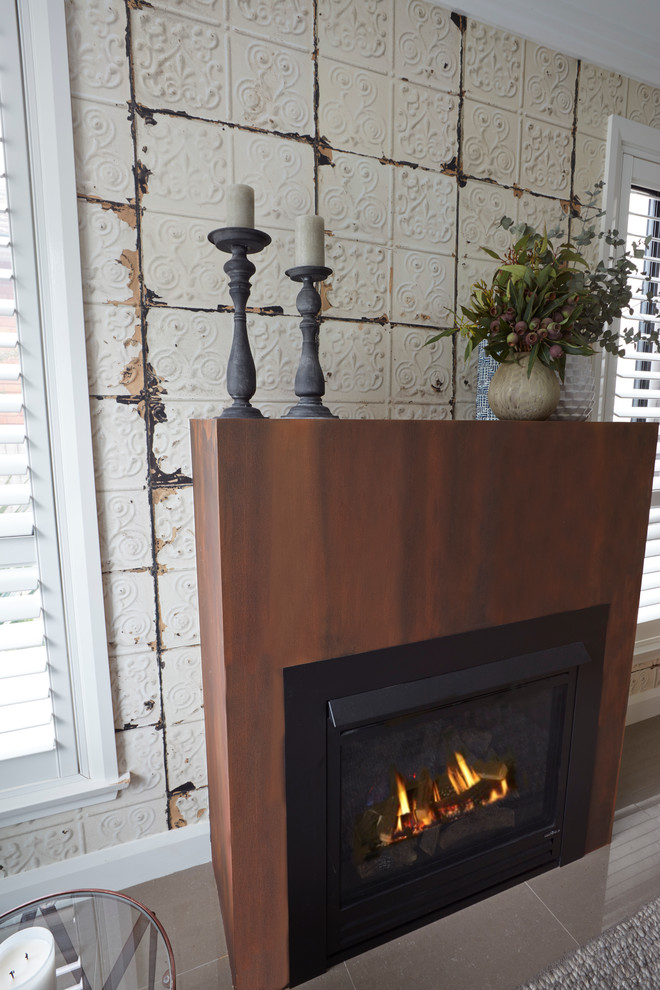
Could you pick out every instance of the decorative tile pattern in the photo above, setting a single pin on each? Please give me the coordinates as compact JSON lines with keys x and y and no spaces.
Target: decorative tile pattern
{"x":600,"y":93}
{"x":109,"y":255}
{"x":186,"y":755}
{"x":360,"y":410}
{"x":124,"y":530}
{"x":189,"y":807}
{"x":541,"y":211}
{"x":189,"y":165}
{"x":355,"y":197}
{"x":188,"y":352}
{"x":103,"y":150}
{"x":52,"y":843}
{"x":412,"y":410}
{"x":471,"y":270}
{"x":359,"y":33}
{"x":129,"y":612}
{"x":425,"y":125}
{"x":422,"y":288}
{"x":355,"y":109}
{"x":355,"y":358}
{"x":135,"y":689}
{"x":171,"y":438}
{"x":642,"y":680}
{"x":111,"y":828}
{"x":549,"y":84}
{"x":490,"y":143}
{"x":282,"y":175}
{"x":290,"y":21}
{"x":589,"y":164}
{"x":174,"y":527}
{"x":178,"y":64}
{"x":114,"y":350}
{"x":427,"y":46}
{"x":97,"y":48}
{"x":545,"y":164}
{"x":179,"y":619}
{"x":493,"y":66}
{"x":181,"y":670}
{"x":643,"y":103}
{"x":272,"y":86}
{"x":482,"y":207}
{"x":465,"y":410}
{"x":277,"y":343}
{"x":424,"y":209}
{"x":210,"y":11}
{"x":420,"y":372}
{"x":139,"y":753}
{"x":360,"y":286}
{"x":119,"y":440}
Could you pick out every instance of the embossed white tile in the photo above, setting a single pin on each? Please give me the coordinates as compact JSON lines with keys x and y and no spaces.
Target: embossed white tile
{"x":466,"y":374}
{"x":124,"y":530}
{"x":275,"y":410}
{"x":189,"y":164}
{"x":600,"y":93}
{"x":211,"y":11}
{"x":179,"y":64}
{"x":171,"y":437}
{"x":103,"y":148}
{"x":108,"y":250}
{"x":357,"y":32}
{"x":643,"y":104}
{"x":425,"y":125}
{"x":491,"y":142}
{"x":422,"y":288}
{"x":189,"y":806}
{"x":181,"y":671}
{"x":130,"y":612}
{"x":281,"y":173}
{"x":27,"y":849}
{"x":545,"y":157}
{"x":355,"y":111}
{"x":276,"y":343}
{"x":124,"y":824}
{"x":415,"y":410}
{"x":182,"y":268}
{"x":542,"y":211}
{"x":114,"y":350}
{"x":482,"y":207}
{"x":186,"y":755}
{"x":355,"y":197}
{"x":360,"y":285}
{"x":291,"y":21}
{"x":135,"y":689}
{"x":188,"y":352}
{"x":179,"y":617}
{"x":120,"y":445}
{"x":641,"y":680}
{"x":427,"y":45}
{"x":549,"y":84}
{"x":424,"y":209}
{"x":589,"y":164}
{"x":355,"y":358}
{"x":140,"y":752}
{"x":421,"y":372}
{"x":466,"y":410}
{"x":96,"y":35}
{"x":272,"y":85}
{"x":174,"y":526}
{"x":360,"y":410}
{"x":471,"y":270}
{"x":493,"y":66}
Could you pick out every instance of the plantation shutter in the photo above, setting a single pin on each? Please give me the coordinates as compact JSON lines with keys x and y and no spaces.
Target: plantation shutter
{"x":37,"y":741}
{"x":637,"y":383}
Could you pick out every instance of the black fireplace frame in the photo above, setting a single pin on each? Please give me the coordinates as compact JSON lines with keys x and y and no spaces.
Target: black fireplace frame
{"x":337,"y":691}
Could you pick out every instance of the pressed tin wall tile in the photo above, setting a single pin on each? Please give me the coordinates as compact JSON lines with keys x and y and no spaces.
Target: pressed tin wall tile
{"x":114,"y":349}
{"x":355,"y":110}
{"x":119,"y":442}
{"x":427,"y":45}
{"x":171,"y":434}
{"x":272,"y":85}
{"x":589,"y":164}
{"x":425,"y":125}
{"x":135,"y":689}
{"x":108,"y":247}
{"x":281,"y":173}
{"x":97,"y":49}
{"x":124,"y":525}
{"x":356,"y":360}
{"x":422,"y":288}
{"x":545,"y":157}
{"x":186,"y":754}
{"x":359,"y":33}
{"x":179,"y":622}
{"x":424,"y":209}
{"x":189,"y":806}
{"x":188,"y":351}
{"x":643,"y":103}
{"x":493,"y":66}
{"x":182,"y":684}
{"x":600,"y":94}
{"x":277,"y":343}
{"x":174,"y":527}
{"x":355,"y":198}
{"x":413,"y":410}
{"x":124,"y":824}
{"x":360,"y":410}
{"x":482,"y":207}
{"x":491,"y":143}
{"x":290,"y":21}
{"x":129,"y":611}
{"x":360,"y":286}
{"x":103,"y":148}
{"x":549,"y":92}
{"x":420,"y":372}
{"x":26,"y":849}
{"x":139,"y":753}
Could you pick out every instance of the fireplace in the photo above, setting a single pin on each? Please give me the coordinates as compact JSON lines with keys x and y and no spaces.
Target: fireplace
{"x":423,"y":777}
{"x":446,"y":580}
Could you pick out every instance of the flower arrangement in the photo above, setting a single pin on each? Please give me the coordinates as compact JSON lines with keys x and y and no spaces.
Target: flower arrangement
{"x":545,"y":301}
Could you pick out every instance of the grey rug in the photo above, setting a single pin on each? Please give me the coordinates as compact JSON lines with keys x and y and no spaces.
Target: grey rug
{"x":625,"y":957}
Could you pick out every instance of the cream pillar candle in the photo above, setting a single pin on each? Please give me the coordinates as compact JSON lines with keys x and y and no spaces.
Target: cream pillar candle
{"x":310,"y":243}
{"x":240,"y":206}
{"x":27,"y":960}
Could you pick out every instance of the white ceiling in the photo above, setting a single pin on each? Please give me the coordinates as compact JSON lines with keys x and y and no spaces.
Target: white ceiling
{"x":622,"y":35}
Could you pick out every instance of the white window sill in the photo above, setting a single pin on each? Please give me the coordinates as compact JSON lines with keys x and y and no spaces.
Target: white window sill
{"x":38,"y":801}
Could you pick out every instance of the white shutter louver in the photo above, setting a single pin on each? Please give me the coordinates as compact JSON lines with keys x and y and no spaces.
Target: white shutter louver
{"x":26,"y":715}
{"x":637,"y":385}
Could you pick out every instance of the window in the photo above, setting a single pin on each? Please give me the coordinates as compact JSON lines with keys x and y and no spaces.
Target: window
{"x":56,"y":734}
{"x":632,"y":205}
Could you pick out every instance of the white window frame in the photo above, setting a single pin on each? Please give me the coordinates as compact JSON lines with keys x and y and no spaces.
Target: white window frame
{"x":43,"y":62}
{"x":626,"y":139}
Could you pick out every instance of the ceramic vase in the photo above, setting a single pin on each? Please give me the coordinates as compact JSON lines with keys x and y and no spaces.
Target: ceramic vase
{"x":513,"y":394}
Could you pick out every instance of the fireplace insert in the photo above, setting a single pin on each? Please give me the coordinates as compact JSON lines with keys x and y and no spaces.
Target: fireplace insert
{"x":423,"y":777}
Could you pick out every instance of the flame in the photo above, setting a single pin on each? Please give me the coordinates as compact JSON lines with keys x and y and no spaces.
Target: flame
{"x":462,"y":776}
{"x":498,"y":792}
{"x":404,"y":806}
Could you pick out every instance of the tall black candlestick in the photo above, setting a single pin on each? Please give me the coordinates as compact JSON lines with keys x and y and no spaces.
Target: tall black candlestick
{"x":310,"y":384}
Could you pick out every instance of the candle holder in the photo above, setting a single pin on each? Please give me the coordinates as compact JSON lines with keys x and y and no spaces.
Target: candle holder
{"x":310,"y":384}
{"x":241,"y":373}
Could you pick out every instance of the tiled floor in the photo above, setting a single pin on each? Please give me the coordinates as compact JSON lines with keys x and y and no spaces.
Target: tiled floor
{"x":494,"y":945}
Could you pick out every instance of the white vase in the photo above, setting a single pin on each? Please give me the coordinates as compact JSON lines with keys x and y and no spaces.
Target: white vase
{"x":513,"y":394}
{"x":578,"y":391}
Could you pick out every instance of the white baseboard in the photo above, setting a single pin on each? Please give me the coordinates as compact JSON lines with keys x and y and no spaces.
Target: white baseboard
{"x":646,"y":704}
{"x":115,"y":868}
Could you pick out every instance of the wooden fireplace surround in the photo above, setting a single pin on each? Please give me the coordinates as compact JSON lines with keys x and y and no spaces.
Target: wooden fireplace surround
{"x":322,"y":539}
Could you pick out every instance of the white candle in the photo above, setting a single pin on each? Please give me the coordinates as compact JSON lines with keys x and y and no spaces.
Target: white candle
{"x":27,"y":961}
{"x":310,"y":243}
{"x":240,"y":206}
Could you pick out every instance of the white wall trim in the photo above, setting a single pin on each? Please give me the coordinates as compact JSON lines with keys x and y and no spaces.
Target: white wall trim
{"x":115,"y":868}
{"x":644,"y":705}
{"x":623,"y":38}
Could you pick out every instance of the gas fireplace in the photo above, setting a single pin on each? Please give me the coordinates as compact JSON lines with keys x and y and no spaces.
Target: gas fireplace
{"x":438,"y":773}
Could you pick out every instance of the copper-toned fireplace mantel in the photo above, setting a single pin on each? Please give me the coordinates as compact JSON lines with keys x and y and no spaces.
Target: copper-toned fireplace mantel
{"x":322,"y":539}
